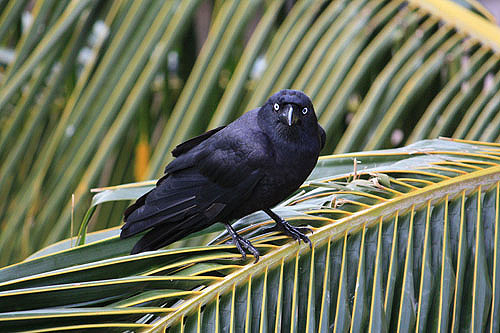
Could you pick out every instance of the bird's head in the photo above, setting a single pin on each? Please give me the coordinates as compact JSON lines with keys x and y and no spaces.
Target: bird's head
{"x":290,"y":113}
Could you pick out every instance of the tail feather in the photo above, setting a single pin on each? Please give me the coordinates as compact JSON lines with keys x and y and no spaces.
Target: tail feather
{"x":171,"y":217}
{"x":163,"y":197}
{"x":139,"y":202}
{"x":168,"y":208}
{"x":168,"y":233}
{"x":178,"y":206}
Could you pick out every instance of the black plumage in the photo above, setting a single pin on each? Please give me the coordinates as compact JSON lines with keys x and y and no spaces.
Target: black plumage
{"x":229,"y":172}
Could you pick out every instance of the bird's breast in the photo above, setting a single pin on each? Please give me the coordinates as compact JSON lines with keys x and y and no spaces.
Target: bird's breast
{"x":286,"y":176}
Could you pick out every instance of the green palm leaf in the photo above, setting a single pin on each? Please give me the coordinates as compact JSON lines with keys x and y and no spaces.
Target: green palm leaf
{"x":380,"y":72}
{"x":403,"y":239}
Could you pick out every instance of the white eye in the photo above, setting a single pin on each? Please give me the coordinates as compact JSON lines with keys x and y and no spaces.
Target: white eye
{"x":304,"y":111}
{"x":276,"y":106}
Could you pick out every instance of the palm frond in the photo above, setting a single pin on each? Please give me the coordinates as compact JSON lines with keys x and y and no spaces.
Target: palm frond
{"x":403,"y":239}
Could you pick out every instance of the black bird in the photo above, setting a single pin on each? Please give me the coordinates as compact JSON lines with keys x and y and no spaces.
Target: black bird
{"x":231,"y":171}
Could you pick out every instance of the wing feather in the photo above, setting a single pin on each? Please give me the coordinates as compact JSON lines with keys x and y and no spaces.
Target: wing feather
{"x":166,"y":234}
{"x":191,"y":143}
{"x":204,"y":184}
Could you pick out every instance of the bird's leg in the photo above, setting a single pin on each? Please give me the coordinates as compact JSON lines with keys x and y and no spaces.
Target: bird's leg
{"x":242,"y":244}
{"x":297,"y":233}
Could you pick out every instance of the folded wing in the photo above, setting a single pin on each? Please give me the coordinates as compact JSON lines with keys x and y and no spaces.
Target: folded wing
{"x":202,"y":185}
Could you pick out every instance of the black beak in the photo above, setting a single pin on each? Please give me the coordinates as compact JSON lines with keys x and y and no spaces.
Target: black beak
{"x":288,"y":116}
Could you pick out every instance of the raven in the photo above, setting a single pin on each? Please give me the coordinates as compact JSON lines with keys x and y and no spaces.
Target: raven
{"x":231,"y":171}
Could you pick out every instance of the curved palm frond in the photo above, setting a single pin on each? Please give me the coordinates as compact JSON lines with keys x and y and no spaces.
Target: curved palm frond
{"x":403,"y":239}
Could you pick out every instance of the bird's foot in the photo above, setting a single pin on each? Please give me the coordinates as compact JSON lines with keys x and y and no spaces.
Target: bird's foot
{"x":242,"y":244}
{"x":297,"y":233}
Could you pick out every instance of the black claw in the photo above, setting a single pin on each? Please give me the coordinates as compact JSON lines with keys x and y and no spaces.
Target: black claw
{"x":242,"y":244}
{"x":240,"y":249}
{"x":297,"y":233}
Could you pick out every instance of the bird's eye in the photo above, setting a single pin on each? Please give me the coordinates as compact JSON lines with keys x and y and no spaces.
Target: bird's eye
{"x":276,"y":106}
{"x":304,"y":111}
